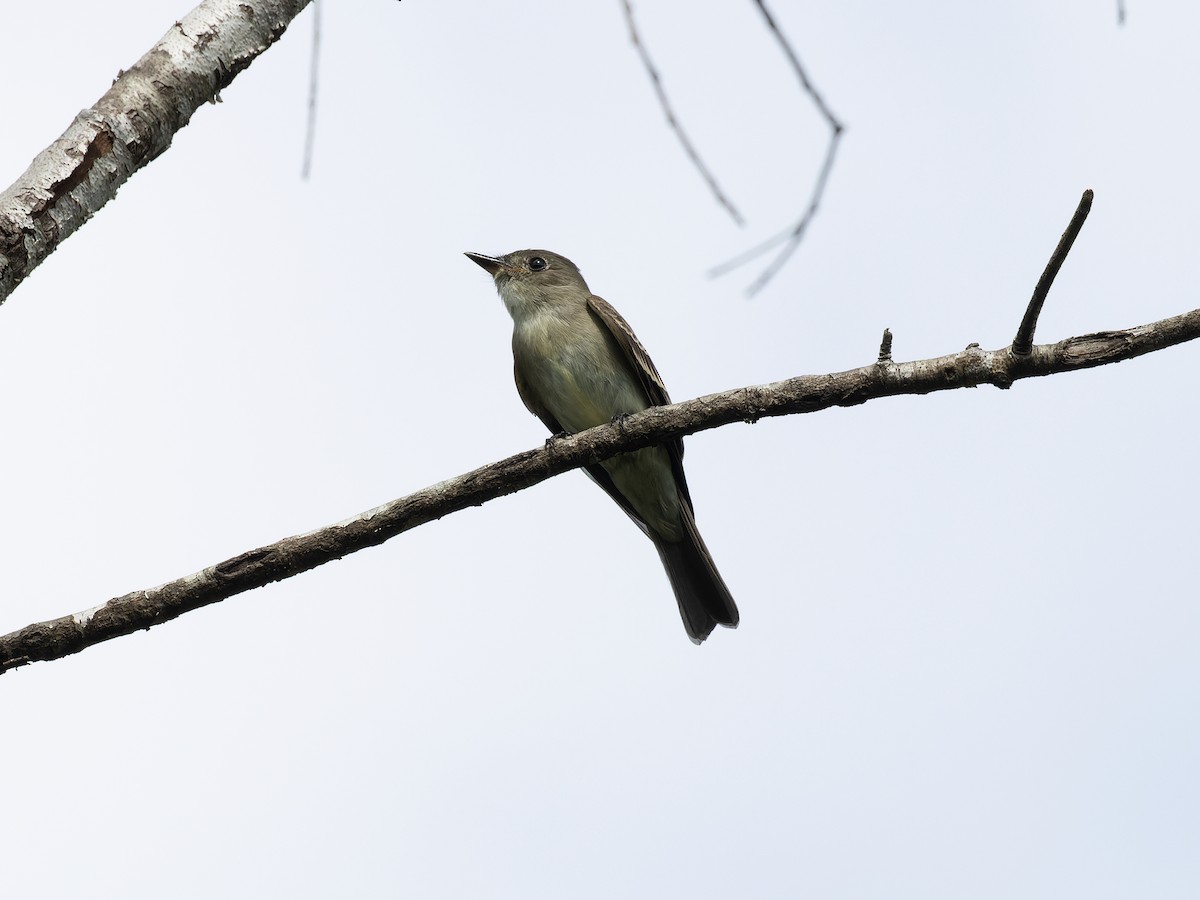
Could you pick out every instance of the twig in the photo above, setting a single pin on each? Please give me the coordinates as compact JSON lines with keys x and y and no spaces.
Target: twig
{"x":1023,"y":342}
{"x":1120,"y":12}
{"x":805,"y":394}
{"x":310,"y":130}
{"x":800,"y":73}
{"x":796,"y":232}
{"x":688,"y":148}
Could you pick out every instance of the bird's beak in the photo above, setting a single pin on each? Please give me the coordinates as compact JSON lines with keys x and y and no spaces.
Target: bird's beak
{"x":494,"y":266}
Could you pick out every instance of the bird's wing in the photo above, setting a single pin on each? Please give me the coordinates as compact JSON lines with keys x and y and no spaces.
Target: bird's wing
{"x":647,"y":375}
{"x":635,"y":353}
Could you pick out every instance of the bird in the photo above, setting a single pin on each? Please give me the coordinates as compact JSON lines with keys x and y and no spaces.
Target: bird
{"x":578,"y":364}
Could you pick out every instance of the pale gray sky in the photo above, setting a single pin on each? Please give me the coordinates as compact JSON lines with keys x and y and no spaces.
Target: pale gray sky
{"x":967,"y":662}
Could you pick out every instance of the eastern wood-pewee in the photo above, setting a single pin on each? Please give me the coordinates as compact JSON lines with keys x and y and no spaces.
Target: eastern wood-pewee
{"x":578,"y":364}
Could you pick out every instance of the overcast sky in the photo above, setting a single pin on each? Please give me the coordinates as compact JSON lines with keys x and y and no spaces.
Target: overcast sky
{"x":967,"y":662}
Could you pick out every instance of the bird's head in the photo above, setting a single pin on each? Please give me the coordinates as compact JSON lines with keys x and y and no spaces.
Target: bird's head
{"x":527,"y":279}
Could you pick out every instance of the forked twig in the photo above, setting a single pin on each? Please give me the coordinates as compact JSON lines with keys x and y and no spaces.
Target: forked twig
{"x":795,"y":233}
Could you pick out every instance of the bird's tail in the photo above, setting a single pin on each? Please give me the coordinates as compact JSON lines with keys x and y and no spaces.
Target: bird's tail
{"x":704,"y":600}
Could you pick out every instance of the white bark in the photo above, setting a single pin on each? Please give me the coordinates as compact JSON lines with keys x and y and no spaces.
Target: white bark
{"x":130,"y":125}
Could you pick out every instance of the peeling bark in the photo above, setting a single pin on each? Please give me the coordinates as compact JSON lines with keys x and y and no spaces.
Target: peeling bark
{"x":134,"y":122}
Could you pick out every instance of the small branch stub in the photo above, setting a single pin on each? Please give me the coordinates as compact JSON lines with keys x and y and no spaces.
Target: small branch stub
{"x":885,"y":347}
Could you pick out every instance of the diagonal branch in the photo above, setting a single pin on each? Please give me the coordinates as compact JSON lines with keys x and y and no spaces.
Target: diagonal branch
{"x":804,"y":394}
{"x":688,"y":147}
{"x":134,"y":122}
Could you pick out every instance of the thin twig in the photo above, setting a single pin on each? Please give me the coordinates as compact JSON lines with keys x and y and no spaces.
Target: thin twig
{"x":688,"y":148}
{"x":1120,"y":12}
{"x":799,"y":69}
{"x":795,"y":233}
{"x":1023,"y":342}
{"x":805,"y":394}
{"x":310,"y":131}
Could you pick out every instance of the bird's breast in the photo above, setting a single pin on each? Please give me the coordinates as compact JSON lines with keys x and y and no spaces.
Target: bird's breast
{"x":574,"y":368}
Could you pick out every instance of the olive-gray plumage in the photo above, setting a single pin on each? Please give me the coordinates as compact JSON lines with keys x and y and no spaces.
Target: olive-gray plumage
{"x":578,"y":364}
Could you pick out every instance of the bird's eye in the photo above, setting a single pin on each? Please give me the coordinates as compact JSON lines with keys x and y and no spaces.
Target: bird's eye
{"x":536,"y":263}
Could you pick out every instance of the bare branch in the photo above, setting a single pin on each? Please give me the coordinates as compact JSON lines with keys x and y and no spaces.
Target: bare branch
{"x":805,"y":394}
{"x":310,"y":129}
{"x":688,"y":147}
{"x":1023,"y":342}
{"x":131,"y":125}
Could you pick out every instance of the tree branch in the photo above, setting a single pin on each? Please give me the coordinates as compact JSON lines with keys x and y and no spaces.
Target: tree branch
{"x":805,"y":394}
{"x":134,"y":122}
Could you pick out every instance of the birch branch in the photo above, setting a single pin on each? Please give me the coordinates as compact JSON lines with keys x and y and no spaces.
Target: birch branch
{"x":132,"y":124}
{"x":804,"y":394}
